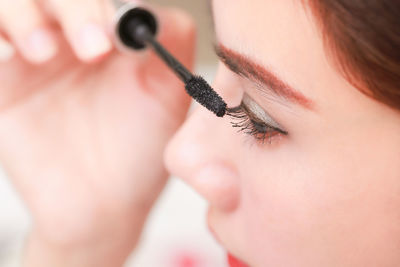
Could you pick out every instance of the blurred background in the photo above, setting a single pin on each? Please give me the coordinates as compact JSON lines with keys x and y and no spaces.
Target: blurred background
{"x":201,"y":12}
{"x":176,"y":234}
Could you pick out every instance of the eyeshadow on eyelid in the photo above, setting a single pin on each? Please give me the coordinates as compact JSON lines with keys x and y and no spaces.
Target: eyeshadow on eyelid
{"x":259,"y":112}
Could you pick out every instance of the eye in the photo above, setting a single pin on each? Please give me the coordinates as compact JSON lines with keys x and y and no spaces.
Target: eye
{"x":244,"y":118}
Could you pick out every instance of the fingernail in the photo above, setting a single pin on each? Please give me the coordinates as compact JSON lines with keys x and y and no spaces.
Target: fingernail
{"x":41,"y":46}
{"x":93,"y":42}
{"x":6,"y":51}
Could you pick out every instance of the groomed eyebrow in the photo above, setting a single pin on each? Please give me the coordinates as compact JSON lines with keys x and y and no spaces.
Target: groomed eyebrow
{"x":243,"y":66}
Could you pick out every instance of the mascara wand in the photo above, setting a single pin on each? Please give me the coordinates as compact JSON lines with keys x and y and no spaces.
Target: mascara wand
{"x":136,"y":29}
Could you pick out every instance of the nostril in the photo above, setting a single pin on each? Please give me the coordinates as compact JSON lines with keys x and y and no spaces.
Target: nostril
{"x":219,"y":184}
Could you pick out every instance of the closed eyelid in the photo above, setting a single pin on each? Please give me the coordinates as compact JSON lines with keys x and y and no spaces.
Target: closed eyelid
{"x":261,"y":129}
{"x":252,"y":107}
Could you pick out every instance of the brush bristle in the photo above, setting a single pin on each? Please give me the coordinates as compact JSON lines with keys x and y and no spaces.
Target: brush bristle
{"x":202,"y":92}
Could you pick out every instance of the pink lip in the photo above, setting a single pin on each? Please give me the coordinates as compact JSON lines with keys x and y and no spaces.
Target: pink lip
{"x":234,"y":262}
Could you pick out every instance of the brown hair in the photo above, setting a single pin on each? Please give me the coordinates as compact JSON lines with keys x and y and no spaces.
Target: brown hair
{"x":363,"y":39}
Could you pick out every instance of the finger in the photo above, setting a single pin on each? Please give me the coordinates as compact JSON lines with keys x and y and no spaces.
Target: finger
{"x":22,"y":21}
{"x":84,"y":26}
{"x":7,"y":50}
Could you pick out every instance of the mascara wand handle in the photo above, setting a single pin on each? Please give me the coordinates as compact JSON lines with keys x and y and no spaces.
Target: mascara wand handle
{"x":143,"y":33}
{"x":136,"y":29}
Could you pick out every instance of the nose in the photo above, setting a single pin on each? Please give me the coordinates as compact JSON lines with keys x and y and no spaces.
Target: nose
{"x":202,"y":154}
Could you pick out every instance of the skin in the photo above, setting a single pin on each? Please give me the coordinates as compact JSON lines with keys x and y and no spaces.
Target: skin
{"x":82,"y":131}
{"x":324,"y":195}
{"x":327,"y":194}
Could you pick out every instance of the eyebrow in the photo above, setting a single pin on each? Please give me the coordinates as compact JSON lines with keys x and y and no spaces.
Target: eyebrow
{"x":243,"y":66}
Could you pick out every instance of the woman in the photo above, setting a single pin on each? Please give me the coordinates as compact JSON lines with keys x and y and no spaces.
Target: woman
{"x":316,"y":183}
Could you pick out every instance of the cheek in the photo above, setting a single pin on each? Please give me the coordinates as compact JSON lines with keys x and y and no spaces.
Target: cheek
{"x":292,"y":207}
{"x":275,"y":214}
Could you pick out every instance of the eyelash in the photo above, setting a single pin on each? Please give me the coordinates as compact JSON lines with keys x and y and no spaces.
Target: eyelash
{"x":260,"y":131}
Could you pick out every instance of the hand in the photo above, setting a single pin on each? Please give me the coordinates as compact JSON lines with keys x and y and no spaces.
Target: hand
{"x":83,"y":143}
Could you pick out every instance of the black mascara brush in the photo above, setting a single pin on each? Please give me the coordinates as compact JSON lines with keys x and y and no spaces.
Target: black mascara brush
{"x":136,"y":29}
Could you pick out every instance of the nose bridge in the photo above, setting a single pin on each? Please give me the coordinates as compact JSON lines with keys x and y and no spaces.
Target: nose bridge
{"x":210,"y":130}
{"x":202,"y":154}
{"x":203,"y":139}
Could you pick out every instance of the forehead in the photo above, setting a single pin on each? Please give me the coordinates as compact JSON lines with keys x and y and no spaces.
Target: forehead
{"x":281,"y":35}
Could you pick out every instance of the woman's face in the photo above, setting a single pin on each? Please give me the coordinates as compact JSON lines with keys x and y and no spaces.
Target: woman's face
{"x":324,"y":189}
